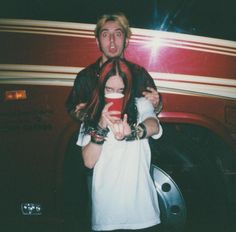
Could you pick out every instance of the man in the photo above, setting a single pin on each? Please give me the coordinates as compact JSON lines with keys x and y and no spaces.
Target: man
{"x":112,"y":34}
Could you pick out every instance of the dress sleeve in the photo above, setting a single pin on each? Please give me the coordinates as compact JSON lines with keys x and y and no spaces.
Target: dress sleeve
{"x":83,"y":139}
{"x":146,"y":110}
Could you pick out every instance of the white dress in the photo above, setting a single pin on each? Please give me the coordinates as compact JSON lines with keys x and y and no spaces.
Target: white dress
{"x":123,"y":193}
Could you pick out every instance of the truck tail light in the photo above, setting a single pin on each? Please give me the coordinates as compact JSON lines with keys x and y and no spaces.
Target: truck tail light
{"x":15,"y":95}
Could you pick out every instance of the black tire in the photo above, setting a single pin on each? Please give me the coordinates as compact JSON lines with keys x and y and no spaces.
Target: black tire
{"x":189,"y":155}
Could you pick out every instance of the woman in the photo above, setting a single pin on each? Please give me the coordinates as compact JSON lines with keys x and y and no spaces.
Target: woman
{"x":123,"y":193}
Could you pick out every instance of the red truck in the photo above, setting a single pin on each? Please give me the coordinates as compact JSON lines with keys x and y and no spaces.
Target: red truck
{"x":196,"y":77}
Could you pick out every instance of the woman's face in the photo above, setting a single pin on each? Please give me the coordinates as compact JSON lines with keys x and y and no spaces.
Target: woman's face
{"x":114,"y":84}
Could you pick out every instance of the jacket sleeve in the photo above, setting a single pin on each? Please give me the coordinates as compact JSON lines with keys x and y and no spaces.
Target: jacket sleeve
{"x":142,"y":79}
{"x":84,"y":85}
{"x":73,"y":98}
{"x":147,"y":79}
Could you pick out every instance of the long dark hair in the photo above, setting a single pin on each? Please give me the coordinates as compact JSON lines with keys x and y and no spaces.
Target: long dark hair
{"x":112,"y":67}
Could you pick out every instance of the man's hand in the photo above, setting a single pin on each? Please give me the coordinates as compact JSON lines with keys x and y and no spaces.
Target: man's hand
{"x":79,"y":107}
{"x":77,"y":113}
{"x":154,"y":97}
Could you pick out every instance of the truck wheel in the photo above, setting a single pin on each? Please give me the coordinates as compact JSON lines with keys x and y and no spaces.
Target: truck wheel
{"x":189,"y":155}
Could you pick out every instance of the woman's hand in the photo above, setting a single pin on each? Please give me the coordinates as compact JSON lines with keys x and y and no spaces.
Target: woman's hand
{"x":120,"y":128}
{"x":107,"y":117}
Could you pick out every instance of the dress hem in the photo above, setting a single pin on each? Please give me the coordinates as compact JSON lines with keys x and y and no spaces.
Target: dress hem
{"x":126,"y":226}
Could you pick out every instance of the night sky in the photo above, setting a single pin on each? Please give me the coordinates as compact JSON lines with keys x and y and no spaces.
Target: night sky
{"x":212,"y":18}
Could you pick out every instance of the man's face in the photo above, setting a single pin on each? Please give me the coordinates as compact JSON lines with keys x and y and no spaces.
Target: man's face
{"x":111,"y":40}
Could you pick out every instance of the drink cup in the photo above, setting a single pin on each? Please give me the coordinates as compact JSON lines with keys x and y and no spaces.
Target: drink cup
{"x":117,"y":99}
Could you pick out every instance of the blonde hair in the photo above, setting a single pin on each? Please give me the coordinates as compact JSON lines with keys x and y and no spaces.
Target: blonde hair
{"x":120,"y":18}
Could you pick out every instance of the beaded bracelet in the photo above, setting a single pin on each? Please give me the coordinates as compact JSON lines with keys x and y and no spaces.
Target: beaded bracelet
{"x":143,"y":130}
{"x":98,"y":131}
{"x":137,"y":132}
{"x":98,"y":135}
{"x":97,"y":140}
{"x":102,"y":131}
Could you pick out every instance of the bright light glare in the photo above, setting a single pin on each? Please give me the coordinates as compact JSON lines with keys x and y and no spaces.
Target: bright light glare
{"x":154,"y":46}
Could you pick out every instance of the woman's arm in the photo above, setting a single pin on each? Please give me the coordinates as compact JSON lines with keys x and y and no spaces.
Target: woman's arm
{"x":149,"y":118}
{"x":152,"y":127}
{"x":91,"y":153}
